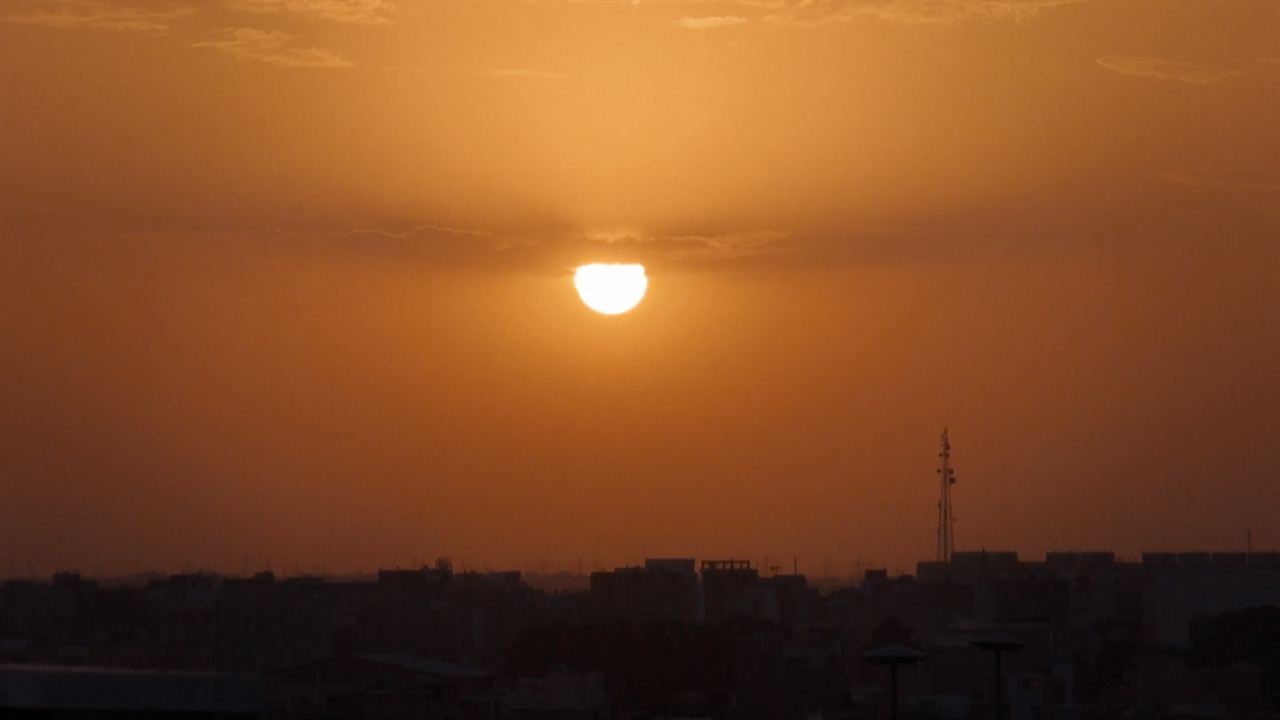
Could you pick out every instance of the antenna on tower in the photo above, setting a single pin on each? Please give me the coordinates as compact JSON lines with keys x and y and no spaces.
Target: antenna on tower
{"x":946,"y":521}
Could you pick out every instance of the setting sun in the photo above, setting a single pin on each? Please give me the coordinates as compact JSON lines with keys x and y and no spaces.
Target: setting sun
{"x":611,"y":289}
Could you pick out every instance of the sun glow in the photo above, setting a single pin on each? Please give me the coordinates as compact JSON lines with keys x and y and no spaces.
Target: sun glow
{"x":611,"y":289}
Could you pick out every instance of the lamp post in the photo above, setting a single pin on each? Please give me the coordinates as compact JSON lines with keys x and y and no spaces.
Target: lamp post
{"x":893,"y":656}
{"x":997,"y":644}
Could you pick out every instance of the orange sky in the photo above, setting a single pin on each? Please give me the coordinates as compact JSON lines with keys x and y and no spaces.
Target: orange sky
{"x":290,"y":281}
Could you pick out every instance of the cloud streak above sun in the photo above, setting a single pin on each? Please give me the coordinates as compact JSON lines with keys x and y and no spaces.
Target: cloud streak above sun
{"x":909,"y":12}
{"x":551,"y":250}
{"x":274,"y":48}
{"x":359,"y":12}
{"x":114,"y":17}
{"x":1161,"y":69}
{"x":709,"y":23}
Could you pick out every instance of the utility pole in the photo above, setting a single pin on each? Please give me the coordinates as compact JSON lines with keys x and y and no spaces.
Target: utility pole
{"x":946,"y":522}
{"x":996,"y":645}
{"x":893,"y":656}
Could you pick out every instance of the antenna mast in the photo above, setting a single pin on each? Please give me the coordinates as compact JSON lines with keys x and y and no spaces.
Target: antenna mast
{"x":946,"y":522}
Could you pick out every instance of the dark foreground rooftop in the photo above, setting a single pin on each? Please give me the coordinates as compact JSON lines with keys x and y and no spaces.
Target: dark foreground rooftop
{"x":39,"y":687}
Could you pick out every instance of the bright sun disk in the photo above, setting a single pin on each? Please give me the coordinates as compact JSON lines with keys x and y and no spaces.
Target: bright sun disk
{"x":611,"y":288}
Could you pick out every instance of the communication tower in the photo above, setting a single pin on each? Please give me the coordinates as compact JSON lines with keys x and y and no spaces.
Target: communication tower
{"x":946,"y":521}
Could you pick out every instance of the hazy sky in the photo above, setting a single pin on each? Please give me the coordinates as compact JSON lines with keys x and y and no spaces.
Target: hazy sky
{"x":289,"y":282}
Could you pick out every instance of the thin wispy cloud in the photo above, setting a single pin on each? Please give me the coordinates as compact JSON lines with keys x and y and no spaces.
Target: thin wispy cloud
{"x":712,"y":22}
{"x":1161,"y":69}
{"x":551,"y":250}
{"x":728,"y":245}
{"x":109,"y":16}
{"x":807,"y":13}
{"x":419,"y":229}
{"x":445,"y":244}
{"x":360,"y":12}
{"x":273,"y":48}
{"x":719,"y":246}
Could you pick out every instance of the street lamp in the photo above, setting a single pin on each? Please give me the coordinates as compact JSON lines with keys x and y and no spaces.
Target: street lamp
{"x":997,"y":644}
{"x":893,"y":656}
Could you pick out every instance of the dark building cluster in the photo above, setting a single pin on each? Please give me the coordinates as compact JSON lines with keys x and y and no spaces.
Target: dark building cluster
{"x":1074,"y":636}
